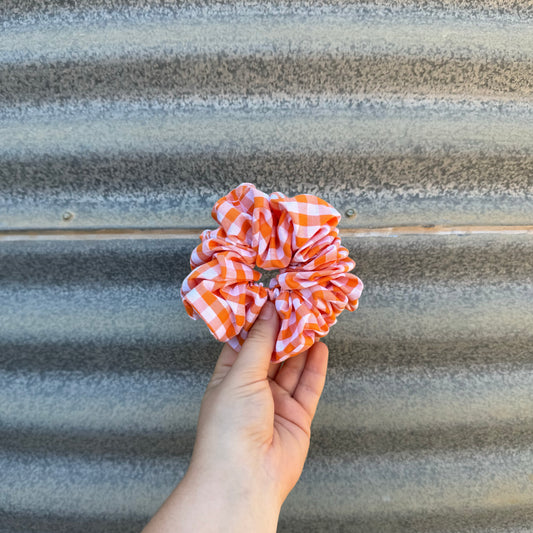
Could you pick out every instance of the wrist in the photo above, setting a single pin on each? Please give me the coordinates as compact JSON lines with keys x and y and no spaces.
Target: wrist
{"x":228,"y":501}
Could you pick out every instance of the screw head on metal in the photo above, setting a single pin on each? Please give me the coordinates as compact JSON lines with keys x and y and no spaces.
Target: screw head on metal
{"x":67,"y":215}
{"x":350,"y":213}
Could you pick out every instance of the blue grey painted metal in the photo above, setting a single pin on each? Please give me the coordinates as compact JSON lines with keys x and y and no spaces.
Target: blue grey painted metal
{"x":139,"y":115}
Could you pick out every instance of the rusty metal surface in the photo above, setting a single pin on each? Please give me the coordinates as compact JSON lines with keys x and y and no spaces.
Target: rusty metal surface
{"x":121,"y":122}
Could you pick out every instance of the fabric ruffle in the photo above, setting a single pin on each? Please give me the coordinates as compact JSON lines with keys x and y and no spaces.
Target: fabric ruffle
{"x":296,"y":235}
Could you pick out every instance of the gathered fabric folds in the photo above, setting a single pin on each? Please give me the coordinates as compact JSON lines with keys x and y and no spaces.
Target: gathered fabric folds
{"x":298,"y":237}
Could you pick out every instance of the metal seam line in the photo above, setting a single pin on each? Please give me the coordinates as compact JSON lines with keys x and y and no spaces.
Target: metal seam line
{"x":106,"y":234}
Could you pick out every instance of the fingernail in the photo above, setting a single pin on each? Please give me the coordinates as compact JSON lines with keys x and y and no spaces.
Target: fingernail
{"x":267,"y":311}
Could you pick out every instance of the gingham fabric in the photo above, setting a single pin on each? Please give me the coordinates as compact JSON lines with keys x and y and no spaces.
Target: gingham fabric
{"x":296,"y":235}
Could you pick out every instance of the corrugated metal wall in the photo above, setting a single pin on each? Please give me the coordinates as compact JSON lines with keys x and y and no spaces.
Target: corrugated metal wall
{"x":121,"y":122}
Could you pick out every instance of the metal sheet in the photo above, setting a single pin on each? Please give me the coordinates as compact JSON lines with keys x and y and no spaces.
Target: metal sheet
{"x":142,"y":114}
{"x":136,"y":116}
{"x":427,"y":404}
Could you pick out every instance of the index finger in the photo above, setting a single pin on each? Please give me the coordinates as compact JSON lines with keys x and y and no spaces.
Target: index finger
{"x":312,"y":379}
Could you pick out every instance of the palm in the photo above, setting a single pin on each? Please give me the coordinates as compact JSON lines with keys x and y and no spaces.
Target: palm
{"x":275,"y":413}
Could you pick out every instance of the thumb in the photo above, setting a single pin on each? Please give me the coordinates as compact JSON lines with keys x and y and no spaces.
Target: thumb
{"x":253,"y":361}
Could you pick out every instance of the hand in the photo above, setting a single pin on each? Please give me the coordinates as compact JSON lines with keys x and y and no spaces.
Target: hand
{"x":252,"y":437}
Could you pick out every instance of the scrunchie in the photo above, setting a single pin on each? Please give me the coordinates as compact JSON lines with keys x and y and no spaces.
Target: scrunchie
{"x":296,"y":235}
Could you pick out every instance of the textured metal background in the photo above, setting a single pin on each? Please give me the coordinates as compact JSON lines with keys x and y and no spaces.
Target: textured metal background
{"x":134,"y":117}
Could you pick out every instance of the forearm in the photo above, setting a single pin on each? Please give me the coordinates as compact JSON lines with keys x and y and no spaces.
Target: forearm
{"x":209,"y":504}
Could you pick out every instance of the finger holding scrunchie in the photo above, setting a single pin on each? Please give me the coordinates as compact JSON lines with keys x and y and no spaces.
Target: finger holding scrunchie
{"x":296,"y":235}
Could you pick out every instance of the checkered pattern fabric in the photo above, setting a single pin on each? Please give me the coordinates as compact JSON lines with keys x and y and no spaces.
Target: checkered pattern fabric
{"x":296,"y":235}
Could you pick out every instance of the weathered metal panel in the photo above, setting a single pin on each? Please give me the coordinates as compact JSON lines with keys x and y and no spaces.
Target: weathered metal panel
{"x":136,"y":116}
{"x":143,"y":114}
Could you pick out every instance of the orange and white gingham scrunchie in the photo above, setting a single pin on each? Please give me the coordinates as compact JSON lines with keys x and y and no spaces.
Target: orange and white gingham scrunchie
{"x":296,"y":235}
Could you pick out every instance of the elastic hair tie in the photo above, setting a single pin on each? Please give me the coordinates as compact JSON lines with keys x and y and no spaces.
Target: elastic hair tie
{"x":296,"y":235}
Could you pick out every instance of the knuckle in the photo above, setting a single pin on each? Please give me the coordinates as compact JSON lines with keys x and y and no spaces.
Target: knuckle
{"x":260,"y":335}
